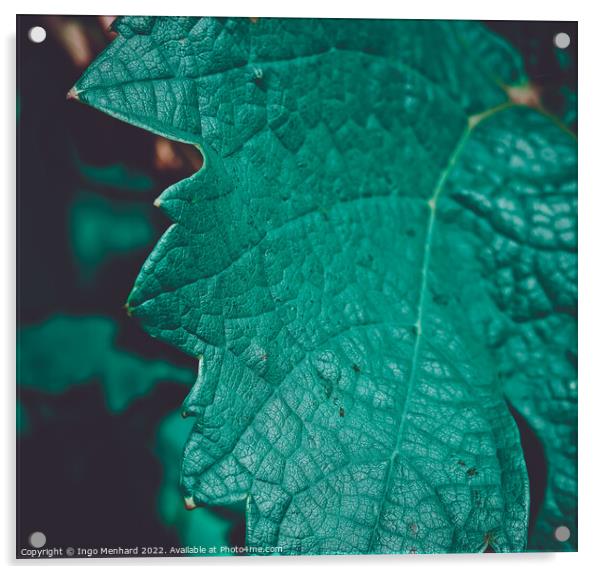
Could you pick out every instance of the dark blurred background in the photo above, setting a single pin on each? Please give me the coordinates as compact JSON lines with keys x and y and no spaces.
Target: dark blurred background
{"x":99,"y":430}
{"x":99,"y":435}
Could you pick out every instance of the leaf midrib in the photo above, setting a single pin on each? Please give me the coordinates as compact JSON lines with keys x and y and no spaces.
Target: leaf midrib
{"x":472,"y":122}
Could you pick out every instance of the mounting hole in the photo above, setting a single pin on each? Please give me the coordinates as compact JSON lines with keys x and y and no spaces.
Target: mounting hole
{"x":562,"y":40}
{"x":37,"y":539}
{"x":562,"y":533}
{"x":37,"y":34}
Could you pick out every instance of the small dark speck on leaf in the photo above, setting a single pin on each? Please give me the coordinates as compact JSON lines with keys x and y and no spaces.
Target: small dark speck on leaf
{"x":258,"y":78}
{"x":461,"y":463}
{"x":570,"y":356}
{"x":341,"y":412}
{"x":410,"y":232}
{"x":471,"y":471}
{"x":356,"y":368}
{"x":441,"y":299}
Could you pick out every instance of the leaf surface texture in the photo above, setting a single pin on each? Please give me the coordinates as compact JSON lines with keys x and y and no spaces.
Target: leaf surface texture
{"x":378,"y":246}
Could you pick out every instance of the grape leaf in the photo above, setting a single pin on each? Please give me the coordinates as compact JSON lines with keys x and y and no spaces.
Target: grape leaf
{"x":523,"y":241}
{"x":204,"y":528}
{"x":67,"y":350}
{"x":370,"y":246}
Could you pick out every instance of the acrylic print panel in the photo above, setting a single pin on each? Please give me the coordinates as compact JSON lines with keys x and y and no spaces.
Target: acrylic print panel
{"x":359,"y":287}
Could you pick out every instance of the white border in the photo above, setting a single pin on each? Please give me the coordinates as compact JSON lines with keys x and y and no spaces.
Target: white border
{"x":590,"y":284}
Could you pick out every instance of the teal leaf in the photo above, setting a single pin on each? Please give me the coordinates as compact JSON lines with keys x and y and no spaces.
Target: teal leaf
{"x":64,"y":351}
{"x":101,"y":230}
{"x":522,"y":246}
{"x":114,"y":176}
{"x":355,"y":265}
{"x":203,"y":529}
{"x":23,"y":419}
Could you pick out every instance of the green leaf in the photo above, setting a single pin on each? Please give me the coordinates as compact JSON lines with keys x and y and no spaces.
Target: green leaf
{"x":23,"y":422}
{"x":373,"y":240}
{"x":514,"y":196}
{"x":65,"y":351}
{"x":202,"y":529}
{"x":114,"y":176}
{"x":101,"y":230}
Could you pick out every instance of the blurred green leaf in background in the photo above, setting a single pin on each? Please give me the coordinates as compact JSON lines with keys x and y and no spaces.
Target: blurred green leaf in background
{"x":95,"y":397}
{"x":65,"y":351}
{"x":101,"y":230}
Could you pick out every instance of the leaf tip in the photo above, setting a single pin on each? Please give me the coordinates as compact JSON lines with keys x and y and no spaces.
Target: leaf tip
{"x":73,"y":94}
{"x":128,"y":309}
{"x":525,"y":95}
{"x":189,"y":503}
{"x":157,"y":202}
{"x":109,"y":24}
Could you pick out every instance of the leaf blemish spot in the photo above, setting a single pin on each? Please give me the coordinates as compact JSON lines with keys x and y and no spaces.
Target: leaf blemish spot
{"x":472,"y":472}
{"x":441,"y":299}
